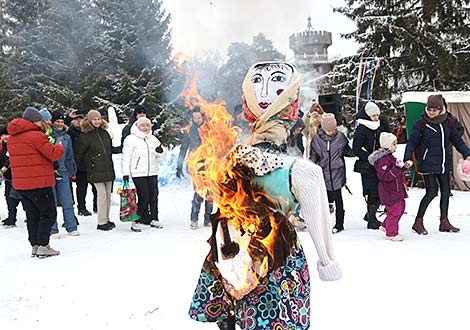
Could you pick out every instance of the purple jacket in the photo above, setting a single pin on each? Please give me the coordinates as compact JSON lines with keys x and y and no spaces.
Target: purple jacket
{"x":391,"y":178}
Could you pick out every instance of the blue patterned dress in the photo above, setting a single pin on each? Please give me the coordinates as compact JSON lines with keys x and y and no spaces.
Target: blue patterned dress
{"x":282,"y":299}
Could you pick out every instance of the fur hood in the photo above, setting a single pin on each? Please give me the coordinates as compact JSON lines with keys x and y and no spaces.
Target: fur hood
{"x":376,"y":155}
{"x":87,"y":127}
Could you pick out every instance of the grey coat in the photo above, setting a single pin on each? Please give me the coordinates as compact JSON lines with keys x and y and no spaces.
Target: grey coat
{"x":329,"y":152}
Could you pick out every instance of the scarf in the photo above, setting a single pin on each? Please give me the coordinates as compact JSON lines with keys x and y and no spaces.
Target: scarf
{"x":373,"y":125}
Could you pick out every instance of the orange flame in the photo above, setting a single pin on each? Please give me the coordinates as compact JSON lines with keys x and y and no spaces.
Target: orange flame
{"x":217,"y":136}
{"x":212,"y":166}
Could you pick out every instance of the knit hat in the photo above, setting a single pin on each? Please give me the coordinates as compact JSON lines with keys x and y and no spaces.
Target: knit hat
{"x":328,"y":122}
{"x":93,"y":114}
{"x":372,"y":109}
{"x":142,"y":120}
{"x":140,"y":108}
{"x":435,"y":102}
{"x":387,"y":139}
{"x":32,"y":114}
{"x":45,"y":114}
{"x":57,"y":115}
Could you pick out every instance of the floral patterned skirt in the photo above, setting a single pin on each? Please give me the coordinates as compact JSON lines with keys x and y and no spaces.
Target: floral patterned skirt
{"x":280,"y":302}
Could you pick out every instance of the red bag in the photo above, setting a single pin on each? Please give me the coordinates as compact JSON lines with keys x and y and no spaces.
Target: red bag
{"x":128,"y":206}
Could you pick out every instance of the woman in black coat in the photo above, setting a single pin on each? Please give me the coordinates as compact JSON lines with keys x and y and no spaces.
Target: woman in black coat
{"x":365,"y":142}
{"x":94,"y":148}
{"x":432,"y":138}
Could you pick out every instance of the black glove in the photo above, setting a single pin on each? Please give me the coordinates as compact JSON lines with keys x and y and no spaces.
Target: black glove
{"x":125,"y":178}
{"x":159,"y":149}
{"x":179,"y":173}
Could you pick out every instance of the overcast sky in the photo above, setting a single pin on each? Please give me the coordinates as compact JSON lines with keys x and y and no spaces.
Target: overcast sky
{"x":199,"y":25}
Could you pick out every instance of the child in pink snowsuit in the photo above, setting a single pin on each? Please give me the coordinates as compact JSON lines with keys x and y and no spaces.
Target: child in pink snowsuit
{"x":392,"y":191}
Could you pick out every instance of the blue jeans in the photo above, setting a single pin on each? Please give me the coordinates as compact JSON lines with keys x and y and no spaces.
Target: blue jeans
{"x":63,"y":192}
{"x":196,"y":207}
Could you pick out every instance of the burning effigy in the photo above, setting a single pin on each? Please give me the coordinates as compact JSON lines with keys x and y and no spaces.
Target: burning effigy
{"x":256,"y":273}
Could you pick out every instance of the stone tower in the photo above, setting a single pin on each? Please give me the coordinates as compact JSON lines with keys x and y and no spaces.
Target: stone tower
{"x":311,"y":50}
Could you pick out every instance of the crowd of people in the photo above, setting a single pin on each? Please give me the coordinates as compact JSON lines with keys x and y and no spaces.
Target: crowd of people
{"x":79,"y":149}
{"x":382,"y":175}
{"x":42,"y":153}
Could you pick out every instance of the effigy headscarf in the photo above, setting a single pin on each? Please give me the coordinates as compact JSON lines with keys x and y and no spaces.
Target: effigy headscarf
{"x":270,"y":121}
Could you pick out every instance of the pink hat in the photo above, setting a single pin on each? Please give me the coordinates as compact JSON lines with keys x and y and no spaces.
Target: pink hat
{"x":328,"y":122}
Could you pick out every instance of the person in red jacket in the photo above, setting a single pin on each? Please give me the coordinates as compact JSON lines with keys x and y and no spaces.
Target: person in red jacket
{"x":32,"y":170}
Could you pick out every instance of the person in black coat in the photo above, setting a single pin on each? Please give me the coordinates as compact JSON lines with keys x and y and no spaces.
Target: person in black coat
{"x":139,"y":111}
{"x":295,"y":143}
{"x":81,"y":179}
{"x":432,"y":139}
{"x":95,"y":149}
{"x":365,"y":142}
{"x":12,"y":197}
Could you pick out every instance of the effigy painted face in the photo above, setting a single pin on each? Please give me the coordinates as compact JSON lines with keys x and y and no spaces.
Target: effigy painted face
{"x":269,"y":81}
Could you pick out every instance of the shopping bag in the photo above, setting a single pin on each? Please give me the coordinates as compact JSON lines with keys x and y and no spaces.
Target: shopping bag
{"x":463,"y":169}
{"x":128,"y":205}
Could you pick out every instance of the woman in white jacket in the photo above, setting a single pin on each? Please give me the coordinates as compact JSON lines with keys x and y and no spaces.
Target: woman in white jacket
{"x":140,"y":152}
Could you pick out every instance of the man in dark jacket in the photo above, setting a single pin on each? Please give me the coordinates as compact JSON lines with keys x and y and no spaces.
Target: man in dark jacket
{"x":81,"y":179}
{"x":139,"y":111}
{"x":365,"y":142}
{"x":191,"y":141}
{"x":32,"y":169}
{"x":433,"y":145}
{"x":11,"y":195}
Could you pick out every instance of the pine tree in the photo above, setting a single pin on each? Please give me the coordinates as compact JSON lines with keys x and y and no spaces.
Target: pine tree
{"x":423,"y":46}
{"x":17,"y":81}
{"x":87,"y":54}
{"x":134,"y":65}
{"x":240,"y":57}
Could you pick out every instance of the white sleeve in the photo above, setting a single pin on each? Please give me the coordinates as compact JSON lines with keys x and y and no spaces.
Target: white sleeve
{"x":127,"y":149}
{"x":308,"y":187}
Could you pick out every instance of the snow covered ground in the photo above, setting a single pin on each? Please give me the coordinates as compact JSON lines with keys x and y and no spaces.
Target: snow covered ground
{"x":126,"y":280}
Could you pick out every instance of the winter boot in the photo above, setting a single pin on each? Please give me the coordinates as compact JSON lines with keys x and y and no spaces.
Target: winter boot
{"x":135,"y":226}
{"x":46,"y":251}
{"x":34,"y":250}
{"x":156,"y":224}
{"x":418,"y":227}
{"x":84,"y":213}
{"x":227,"y":324}
{"x":193,"y":225}
{"x":339,"y":226}
{"x":106,"y":226}
{"x":372,"y":222}
{"x":396,"y":238}
{"x":445,"y":226}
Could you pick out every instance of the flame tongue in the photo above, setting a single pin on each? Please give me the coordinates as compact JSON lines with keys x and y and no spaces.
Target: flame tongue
{"x":217,"y":139}
{"x":216,"y":174}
